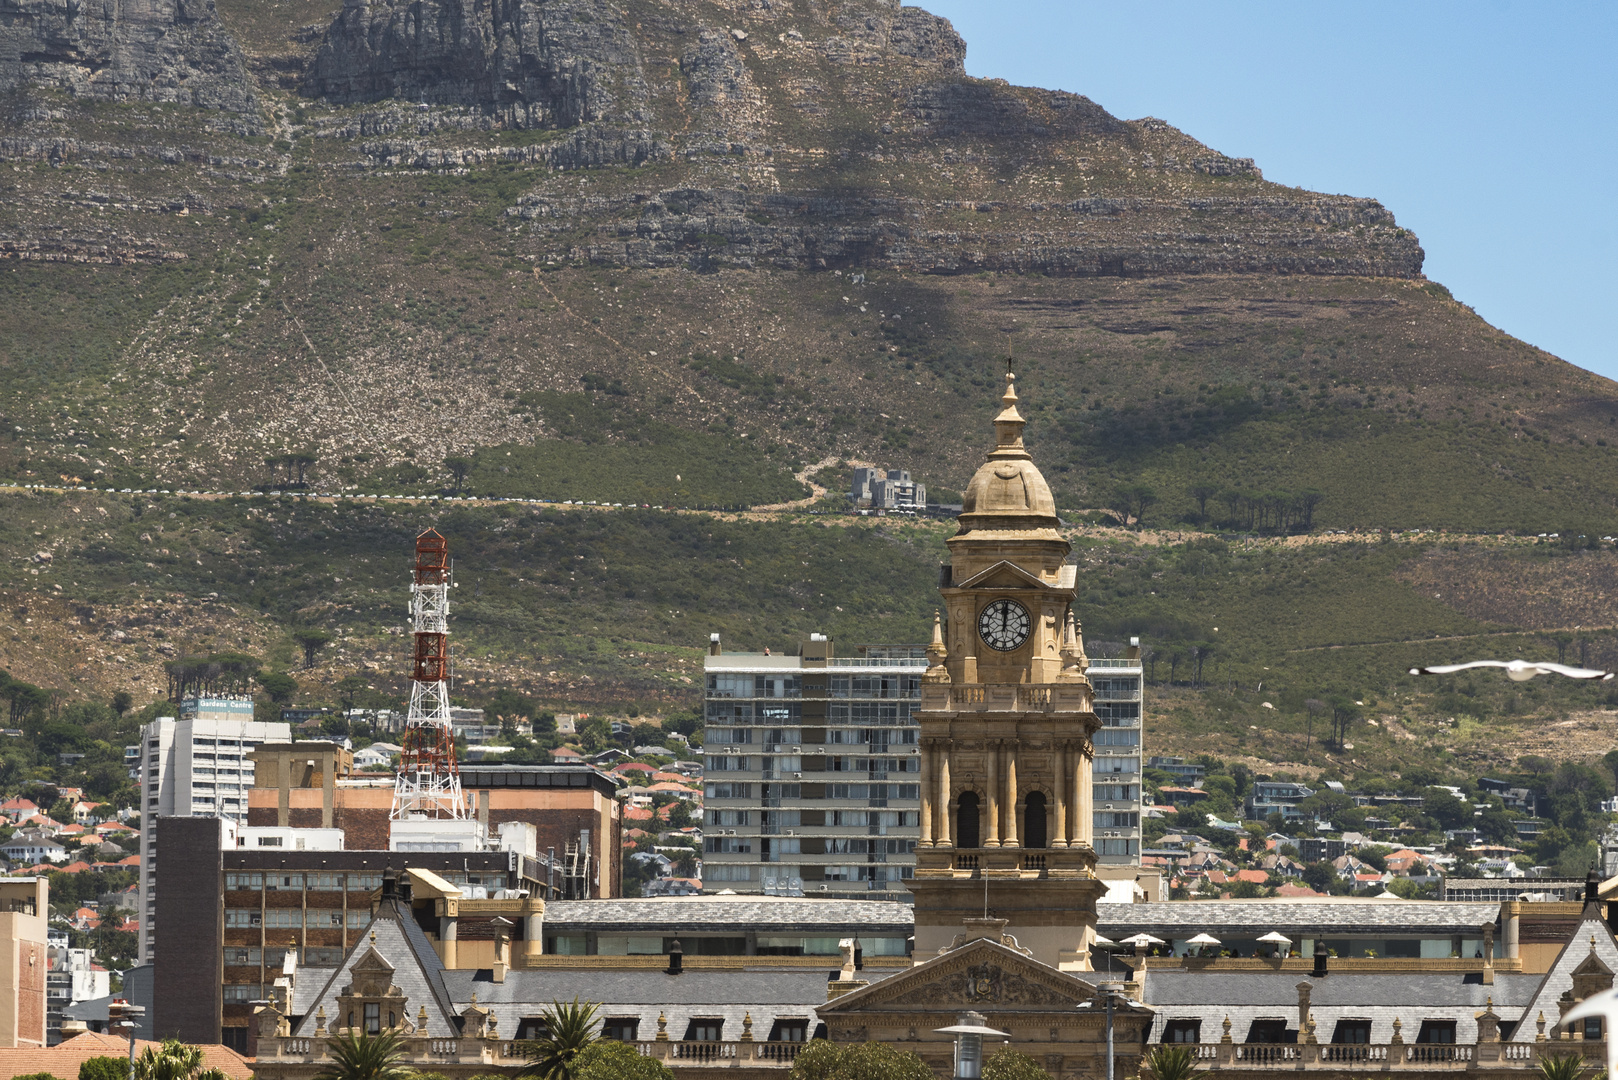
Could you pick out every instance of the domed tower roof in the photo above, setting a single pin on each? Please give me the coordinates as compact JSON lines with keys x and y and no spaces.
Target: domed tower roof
{"x":1007,"y":493}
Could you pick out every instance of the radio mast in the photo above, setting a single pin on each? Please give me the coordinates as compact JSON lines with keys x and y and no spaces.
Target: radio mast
{"x":428,"y":784}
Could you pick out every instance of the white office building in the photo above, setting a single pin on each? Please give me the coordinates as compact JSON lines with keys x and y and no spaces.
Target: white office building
{"x":195,"y":766}
{"x":812,"y":771}
{"x":1115,"y":779}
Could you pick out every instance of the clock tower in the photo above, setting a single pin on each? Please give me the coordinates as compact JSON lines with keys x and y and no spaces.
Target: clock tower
{"x":1006,"y":725}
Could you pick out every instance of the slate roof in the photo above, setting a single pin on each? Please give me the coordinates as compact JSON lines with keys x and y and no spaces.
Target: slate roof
{"x":1560,"y":977}
{"x":418,"y":972}
{"x":1302,"y":917}
{"x":1245,"y":997}
{"x":711,"y":914}
{"x":768,"y":994}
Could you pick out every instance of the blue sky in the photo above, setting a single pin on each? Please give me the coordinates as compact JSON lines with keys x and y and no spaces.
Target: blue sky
{"x":1487,"y":127}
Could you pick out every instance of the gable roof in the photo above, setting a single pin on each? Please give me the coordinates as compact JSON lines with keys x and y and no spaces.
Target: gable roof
{"x":417,"y":971}
{"x":1003,"y":575}
{"x":981,"y":974}
{"x":1592,"y":937}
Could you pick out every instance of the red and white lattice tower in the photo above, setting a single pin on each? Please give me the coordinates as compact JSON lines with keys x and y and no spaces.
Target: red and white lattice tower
{"x":428,"y":783}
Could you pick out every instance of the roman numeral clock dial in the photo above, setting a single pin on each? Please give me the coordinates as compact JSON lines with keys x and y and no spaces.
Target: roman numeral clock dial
{"x":1003,"y":625}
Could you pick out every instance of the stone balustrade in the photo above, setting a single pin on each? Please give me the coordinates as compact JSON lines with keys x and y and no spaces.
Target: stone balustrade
{"x":1390,"y":1057}
{"x":458,"y":1055}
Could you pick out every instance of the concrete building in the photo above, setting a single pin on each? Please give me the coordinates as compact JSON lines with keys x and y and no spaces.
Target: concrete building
{"x":25,"y":905}
{"x":811,"y":771}
{"x":197,"y":765}
{"x":1119,"y":686}
{"x":890,"y":489}
{"x":573,"y":808}
{"x":74,"y":977}
{"x":247,"y":906}
{"x":1276,"y":797}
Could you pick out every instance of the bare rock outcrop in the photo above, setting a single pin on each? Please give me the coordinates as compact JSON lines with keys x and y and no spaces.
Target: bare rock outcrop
{"x":174,"y":51}
{"x":534,"y":63}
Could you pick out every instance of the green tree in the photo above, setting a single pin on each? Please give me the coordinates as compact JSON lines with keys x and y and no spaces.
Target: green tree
{"x":822,"y":1060}
{"x":279,"y":685}
{"x":1320,"y":876}
{"x":608,"y":1059}
{"x":358,"y":1056}
{"x":121,"y":701}
{"x":458,"y":468}
{"x":679,"y":815}
{"x":174,"y":1060}
{"x":104,"y":1068}
{"x":1169,"y":1063}
{"x":570,"y":1030}
{"x":312,"y":640}
{"x":1009,"y":1064}
{"x":35,"y":1076}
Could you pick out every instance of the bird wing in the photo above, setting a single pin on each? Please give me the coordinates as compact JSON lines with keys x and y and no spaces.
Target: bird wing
{"x":1445,"y":669}
{"x":1576,"y":672}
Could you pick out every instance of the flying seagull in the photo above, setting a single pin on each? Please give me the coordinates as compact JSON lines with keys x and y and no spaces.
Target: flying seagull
{"x":1518,"y":670}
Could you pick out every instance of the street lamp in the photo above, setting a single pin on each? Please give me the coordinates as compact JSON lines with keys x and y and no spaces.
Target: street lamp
{"x":969,"y":1035}
{"x":124,"y":1017}
{"x":1110,"y":996}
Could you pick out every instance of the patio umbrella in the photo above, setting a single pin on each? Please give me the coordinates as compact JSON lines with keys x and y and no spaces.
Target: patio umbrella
{"x":1275,"y":937}
{"x":1202,"y":939}
{"x":1143,"y":940}
{"x":1101,"y":940}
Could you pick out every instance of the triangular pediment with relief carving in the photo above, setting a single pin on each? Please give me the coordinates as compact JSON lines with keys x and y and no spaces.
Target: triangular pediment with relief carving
{"x":981,"y":975}
{"x":1003,"y":575}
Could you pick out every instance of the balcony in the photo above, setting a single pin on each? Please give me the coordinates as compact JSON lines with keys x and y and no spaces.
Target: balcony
{"x":1487,"y":1055}
{"x":1005,"y":697}
{"x":476,"y":1053}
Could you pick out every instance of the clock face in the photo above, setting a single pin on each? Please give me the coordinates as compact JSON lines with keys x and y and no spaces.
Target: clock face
{"x":1003,"y":625}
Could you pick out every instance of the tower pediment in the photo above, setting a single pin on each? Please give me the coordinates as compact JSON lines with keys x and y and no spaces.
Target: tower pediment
{"x":1004,"y":575}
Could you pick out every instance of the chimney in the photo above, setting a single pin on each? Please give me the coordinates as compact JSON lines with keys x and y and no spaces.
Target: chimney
{"x":676,"y":953}
{"x":713,"y":644}
{"x":390,"y":883}
{"x":1320,"y":960}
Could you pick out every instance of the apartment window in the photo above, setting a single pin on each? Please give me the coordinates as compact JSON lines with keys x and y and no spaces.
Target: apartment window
{"x":325,"y":882}
{"x":727,"y":845}
{"x":728,"y":791}
{"x":1183,"y":1031}
{"x":1115,"y":846}
{"x":704,"y":1030}
{"x":740,"y":817}
{"x":727,"y":764}
{"x":621,"y":1028}
{"x":730,"y":686}
{"x":1115,"y":792}
{"x":270,"y":841}
{"x":364,"y":882}
{"x":283,"y":882}
{"x":1116,"y":819}
{"x":1118,"y":737}
{"x":242,"y":918}
{"x":237,"y":993}
{"x":239,"y":957}
{"x":1116,"y":765}
{"x":319,"y":918}
{"x":720,"y":872}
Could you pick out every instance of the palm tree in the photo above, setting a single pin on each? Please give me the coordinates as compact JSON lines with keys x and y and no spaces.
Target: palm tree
{"x":356,"y":1055}
{"x":1170,"y":1063}
{"x":569,"y":1030}
{"x":174,"y":1060}
{"x":1565,"y":1067}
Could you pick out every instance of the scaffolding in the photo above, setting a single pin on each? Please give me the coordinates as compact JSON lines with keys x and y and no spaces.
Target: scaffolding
{"x":428,"y":784}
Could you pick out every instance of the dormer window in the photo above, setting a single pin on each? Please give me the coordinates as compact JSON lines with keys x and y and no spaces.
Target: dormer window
{"x":373,"y":1018}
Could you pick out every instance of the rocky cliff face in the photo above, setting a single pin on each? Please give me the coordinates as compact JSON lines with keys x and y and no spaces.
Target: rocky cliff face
{"x":125,"y":50}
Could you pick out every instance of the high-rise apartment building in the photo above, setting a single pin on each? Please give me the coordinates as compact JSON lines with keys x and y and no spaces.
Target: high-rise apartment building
{"x":812,"y":770}
{"x":194,"y":766}
{"x":1119,"y":686}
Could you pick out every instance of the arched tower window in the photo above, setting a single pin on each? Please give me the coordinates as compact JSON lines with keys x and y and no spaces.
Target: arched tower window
{"x":1033,"y":827}
{"x":967,"y":834}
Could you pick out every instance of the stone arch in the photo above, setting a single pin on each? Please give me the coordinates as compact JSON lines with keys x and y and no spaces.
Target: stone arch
{"x":968,"y":820}
{"x":1035,"y":821}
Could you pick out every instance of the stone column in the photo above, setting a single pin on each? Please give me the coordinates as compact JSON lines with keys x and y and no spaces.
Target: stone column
{"x":943,"y":798}
{"x":991,"y":837}
{"x":1058,"y":834}
{"x":1011,"y":798}
{"x":1083,"y":800}
{"x":929,"y":778}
